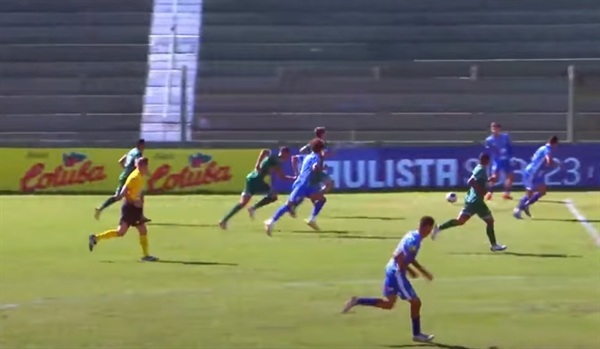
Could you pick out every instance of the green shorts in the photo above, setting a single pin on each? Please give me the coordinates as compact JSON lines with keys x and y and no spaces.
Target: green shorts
{"x":478,"y":208}
{"x":120,"y":186}
{"x":256,"y":186}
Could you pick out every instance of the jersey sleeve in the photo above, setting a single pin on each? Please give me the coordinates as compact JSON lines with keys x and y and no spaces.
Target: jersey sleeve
{"x":479,"y":173}
{"x":487,"y":143}
{"x":305,"y":149}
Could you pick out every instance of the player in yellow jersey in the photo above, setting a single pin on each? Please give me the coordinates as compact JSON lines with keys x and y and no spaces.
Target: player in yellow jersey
{"x":132,"y":211}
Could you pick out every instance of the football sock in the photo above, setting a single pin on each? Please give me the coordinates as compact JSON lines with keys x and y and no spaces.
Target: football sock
{"x":109,"y":234}
{"x":233,"y":211}
{"x":369,"y":302}
{"x":523,"y":202}
{"x":280,"y":212}
{"x":449,"y":224}
{"x":318,"y":207}
{"x":144,"y":244}
{"x":534,"y":198}
{"x":416,"y":326}
{"x":264,"y":202}
{"x":111,"y":200}
{"x":507,"y":187}
{"x":489,"y":230}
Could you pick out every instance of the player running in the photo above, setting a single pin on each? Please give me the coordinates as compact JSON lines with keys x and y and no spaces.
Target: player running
{"x":266,"y":164}
{"x":533,"y":177}
{"x":322,"y":184}
{"x":320,"y":180}
{"x":302,"y":185}
{"x":131,"y":211}
{"x":498,"y":144}
{"x":127,"y":161}
{"x":475,"y":205}
{"x":396,"y":283}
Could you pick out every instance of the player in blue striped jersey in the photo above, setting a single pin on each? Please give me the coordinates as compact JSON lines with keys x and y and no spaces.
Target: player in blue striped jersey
{"x":322,"y":184}
{"x":302,"y":188}
{"x":396,"y":283}
{"x":533,"y":177}
{"x":499,"y":146}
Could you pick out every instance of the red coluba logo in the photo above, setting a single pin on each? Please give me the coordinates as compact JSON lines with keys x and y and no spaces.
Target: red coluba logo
{"x":76,"y":169}
{"x":201,"y":170}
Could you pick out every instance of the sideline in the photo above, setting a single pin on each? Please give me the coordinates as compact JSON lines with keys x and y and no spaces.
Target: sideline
{"x":584,"y":222}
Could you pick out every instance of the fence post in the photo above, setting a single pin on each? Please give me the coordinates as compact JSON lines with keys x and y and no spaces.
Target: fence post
{"x":571,"y":104}
{"x":183,"y":104}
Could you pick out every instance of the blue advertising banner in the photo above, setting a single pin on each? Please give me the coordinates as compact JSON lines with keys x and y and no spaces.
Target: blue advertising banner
{"x":397,"y":168}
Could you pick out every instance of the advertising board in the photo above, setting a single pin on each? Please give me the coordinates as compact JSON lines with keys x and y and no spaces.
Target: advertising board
{"x":97,"y":170}
{"x":397,"y":168}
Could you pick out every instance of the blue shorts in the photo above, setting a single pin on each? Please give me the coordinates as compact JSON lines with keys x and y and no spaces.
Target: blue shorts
{"x":397,"y":283}
{"x":502,"y":166}
{"x":301,"y":191}
{"x":532,"y":181}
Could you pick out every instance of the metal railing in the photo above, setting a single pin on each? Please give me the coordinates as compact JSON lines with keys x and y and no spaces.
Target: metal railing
{"x":172,"y":56}
{"x":220,"y":136}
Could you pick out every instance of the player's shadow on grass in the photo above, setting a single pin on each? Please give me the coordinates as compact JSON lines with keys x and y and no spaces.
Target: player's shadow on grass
{"x":375,"y":218}
{"x":182,"y":225}
{"x":517,"y":254}
{"x":170,"y":261}
{"x":428,"y":345}
{"x":337,"y":232}
{"x":344,"y":234}
{"x":567,"y":220}
{"x":553,"y":202}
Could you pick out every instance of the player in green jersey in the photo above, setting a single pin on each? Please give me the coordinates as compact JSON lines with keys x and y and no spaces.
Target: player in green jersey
{"x":266,"y":164}
{"x":475,"y":204}
{"x":127,"y":161}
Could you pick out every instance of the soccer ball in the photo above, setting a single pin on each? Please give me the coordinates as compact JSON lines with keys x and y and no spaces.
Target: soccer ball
{"x":451,"y":197}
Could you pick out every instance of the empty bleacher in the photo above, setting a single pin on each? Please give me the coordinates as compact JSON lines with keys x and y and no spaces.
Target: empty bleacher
{"x":72,"y":67}
{"x":384,"y":70}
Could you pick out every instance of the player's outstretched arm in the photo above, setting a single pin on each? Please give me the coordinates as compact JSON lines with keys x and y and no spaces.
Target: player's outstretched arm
{"x":261,"y":156}
{"x":122,"y":192}
{"x":305,"y":149}
{"x":422,"y":270}
{"x":123,"y":160}
{"x":295,"y":164}
{"x":282,"y":175}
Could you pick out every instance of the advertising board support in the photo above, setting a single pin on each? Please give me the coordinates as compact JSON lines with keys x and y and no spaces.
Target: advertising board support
{"x":571,"y":103}
{"x":183,"y":105}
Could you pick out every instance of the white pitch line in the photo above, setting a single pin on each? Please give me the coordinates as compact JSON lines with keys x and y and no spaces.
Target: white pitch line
{"x":584,"y":222}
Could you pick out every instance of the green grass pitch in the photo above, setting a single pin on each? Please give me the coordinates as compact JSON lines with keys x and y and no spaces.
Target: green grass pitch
{"x":241,"y":289}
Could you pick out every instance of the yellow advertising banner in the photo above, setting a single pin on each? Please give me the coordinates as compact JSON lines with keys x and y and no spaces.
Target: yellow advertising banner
{"x":97,"y":170}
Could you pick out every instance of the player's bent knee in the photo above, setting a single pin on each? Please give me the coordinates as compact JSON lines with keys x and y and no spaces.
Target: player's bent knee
{"x":387,"y":305}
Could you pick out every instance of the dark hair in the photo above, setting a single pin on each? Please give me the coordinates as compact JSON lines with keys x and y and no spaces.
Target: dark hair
{"x":284,"y":149}
{"x":495,"y":124}
{"x":426,"y":221}
{"x":484,"y":156}
{"x":141,"y":141}
{"x":319,"y":131}
{"x":317,"y":145}
{"x":553,"y":140}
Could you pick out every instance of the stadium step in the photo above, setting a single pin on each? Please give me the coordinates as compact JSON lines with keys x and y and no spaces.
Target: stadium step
{"x":174,"y":43}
